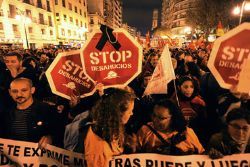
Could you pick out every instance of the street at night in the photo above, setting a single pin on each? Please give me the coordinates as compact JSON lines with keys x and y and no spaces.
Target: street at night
{"x":124,"y":83}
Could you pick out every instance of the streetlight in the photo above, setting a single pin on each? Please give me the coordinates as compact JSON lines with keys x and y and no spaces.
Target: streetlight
{"x":187,"y":30}
{"x":236,"y":10}
{"x":25,"y":20}
{"x":240,"y":10}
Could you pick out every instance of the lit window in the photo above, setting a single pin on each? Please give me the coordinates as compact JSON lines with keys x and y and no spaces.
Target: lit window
{"x":43,"y":31}
{"x":63,"y":3}
{"x":1,"y":26}
{"x":63,"y":32}
{"x":30,"y":30}
{"x":15,"y":27}
{"x":70,"y":6}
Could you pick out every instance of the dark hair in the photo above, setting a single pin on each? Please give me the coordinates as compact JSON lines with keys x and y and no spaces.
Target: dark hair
{"x":147,"y":74}
{"x":194,"y":69}
{"x":238,"y":113}
{"x":178,"y":121}
{"x":178,"y":54}
{"x":19,"y":57}
{"x":107,"y":114}
{"x":183,"y":79}
{"x":27,"y":60}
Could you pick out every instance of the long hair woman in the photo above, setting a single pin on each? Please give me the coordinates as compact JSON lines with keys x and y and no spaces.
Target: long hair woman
{"x":105,"y":137}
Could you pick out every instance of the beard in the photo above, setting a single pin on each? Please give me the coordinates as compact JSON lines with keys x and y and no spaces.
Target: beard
{"x":20,"y":100}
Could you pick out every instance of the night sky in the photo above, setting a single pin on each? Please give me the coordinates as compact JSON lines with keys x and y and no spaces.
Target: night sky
{"x":139,"y":13}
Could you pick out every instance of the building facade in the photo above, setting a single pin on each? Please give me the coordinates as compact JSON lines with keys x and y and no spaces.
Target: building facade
{"x":174,"y":14}
{"x":71,"y":20}
{"x":131,"y":30}
{"x":155,"y":19}
{"x":108,"y":12}
{"x":96,"y":14}
{"x":27,"y":23}
{"x":39,"y":23}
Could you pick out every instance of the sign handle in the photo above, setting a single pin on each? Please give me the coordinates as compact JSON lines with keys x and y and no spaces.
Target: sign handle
{"x":176,"y":95}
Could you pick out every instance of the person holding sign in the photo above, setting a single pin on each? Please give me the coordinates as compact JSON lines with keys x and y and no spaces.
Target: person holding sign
{"x":192,"y":106}
{"x":105,"y":137}
{"x":235,"y":138}
{"x":168,"y":133}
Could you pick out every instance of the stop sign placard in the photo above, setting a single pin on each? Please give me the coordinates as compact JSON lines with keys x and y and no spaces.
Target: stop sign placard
{"x":109,"y":66}
{"x":66,"y":76}
{"x":228,"y":55}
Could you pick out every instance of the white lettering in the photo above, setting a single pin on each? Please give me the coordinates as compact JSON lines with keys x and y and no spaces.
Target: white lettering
{"x":230,"y":53}
{"x":106,"y":57}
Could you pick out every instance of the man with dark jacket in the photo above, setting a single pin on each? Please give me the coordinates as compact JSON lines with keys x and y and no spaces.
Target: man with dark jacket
{"x":29,"y":120}
{"x":235,"y":139}
{"x":14,"y":69}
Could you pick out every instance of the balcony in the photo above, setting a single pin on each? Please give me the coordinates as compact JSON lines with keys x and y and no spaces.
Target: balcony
{"x":30,"y":2}
{"x":1,"y":13}
{"x":32,"y":36}
{"x":26,"y":1}
{"x":39,"y":5}
{"x":11,"y":15}
{"x":2,"y":35}
{"x":50,"y":24}
{"x":49,"y":9}
{"x":17,"y":34}
{"x":44,"y":37}
{"x":34,"y":20}
{"x":43,"y":22}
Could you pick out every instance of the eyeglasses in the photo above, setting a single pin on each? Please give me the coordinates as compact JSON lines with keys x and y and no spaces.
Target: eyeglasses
{"x":160,"y":117}
{"x":237,"y":127}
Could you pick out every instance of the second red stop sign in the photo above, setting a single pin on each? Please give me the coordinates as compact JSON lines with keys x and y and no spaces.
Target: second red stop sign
{"x":109,"y":66}
{"x":228,"y":55}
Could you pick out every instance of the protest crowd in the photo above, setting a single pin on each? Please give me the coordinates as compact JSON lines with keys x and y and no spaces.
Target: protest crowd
{"x":194,"y":116}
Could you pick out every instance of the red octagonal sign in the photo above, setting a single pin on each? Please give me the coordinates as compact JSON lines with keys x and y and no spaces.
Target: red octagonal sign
{"x":66,"y":76}
{"x":109,"y":66}
{"x":228,"y":55}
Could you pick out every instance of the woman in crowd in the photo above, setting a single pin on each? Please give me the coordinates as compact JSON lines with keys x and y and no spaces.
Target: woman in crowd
{"x":168,"y":133}
{"x":234,"y":139}
{"x":105,"y":137}
{"x":192,"y":106}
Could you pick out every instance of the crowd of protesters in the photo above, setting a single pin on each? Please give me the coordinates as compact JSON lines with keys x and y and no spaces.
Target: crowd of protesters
{"x":195,"y":116}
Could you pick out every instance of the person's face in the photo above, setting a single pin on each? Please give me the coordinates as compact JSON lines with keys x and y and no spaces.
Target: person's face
{"x":146,"y":80}
{"x":32,"y":63}
{"x":21,"y":91}
{"x":182,"y":56}
{"x":205,"y":60}
{"x":187,"y":88}
{"x":154,"y":60}
{"x":202,"y":53}
{"x":239,"y":130}
{"x":126,"y":115}
{"x":12,"y":62}
{"x":188,"y":58}
{"x":161,"y":118}
{"x":43,"y":58}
